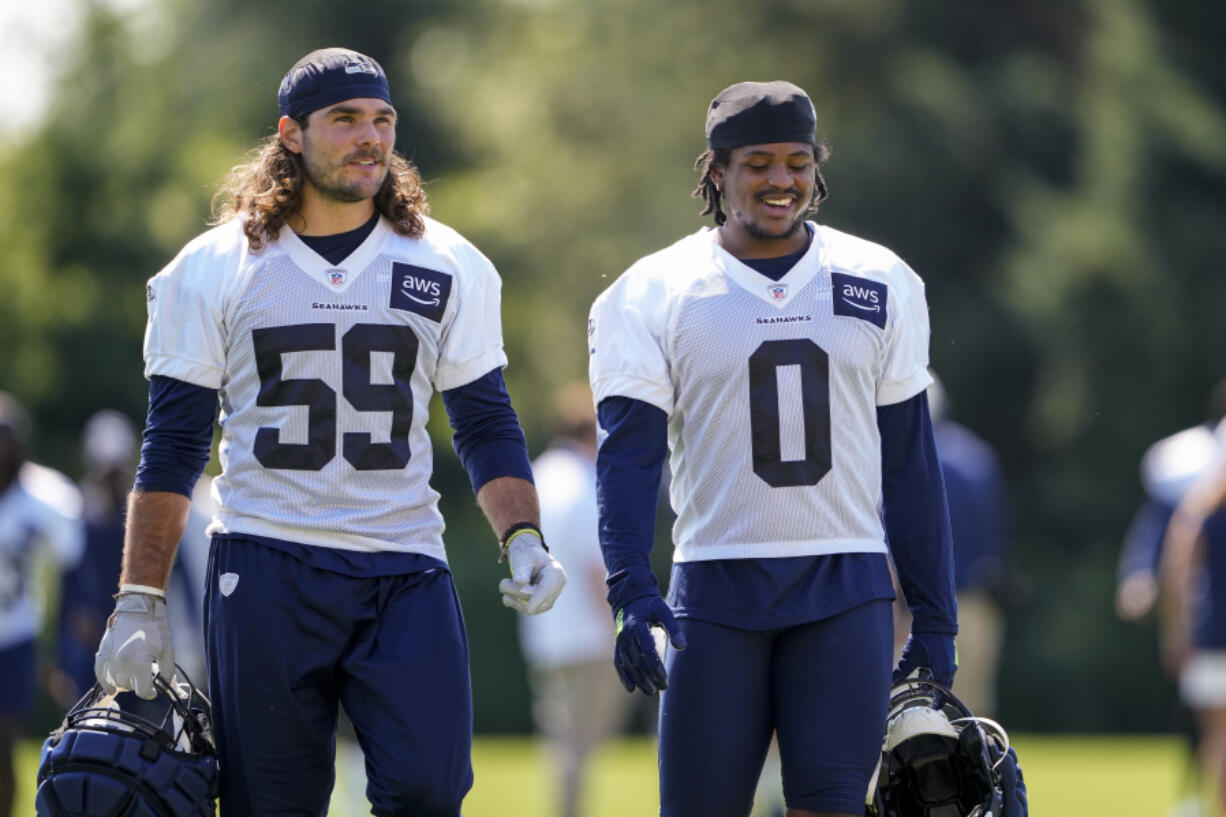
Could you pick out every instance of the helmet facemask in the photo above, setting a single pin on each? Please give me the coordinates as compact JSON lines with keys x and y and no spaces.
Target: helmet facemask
{"x":938,"y":759}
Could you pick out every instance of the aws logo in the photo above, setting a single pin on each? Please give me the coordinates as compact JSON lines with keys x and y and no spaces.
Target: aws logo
{"x":430,"y":289}
{"x":859,"y":298}
{"x":420,"y":290}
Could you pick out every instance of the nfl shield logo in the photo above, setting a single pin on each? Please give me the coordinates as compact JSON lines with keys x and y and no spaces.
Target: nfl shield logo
{"x":337,"y":277}
{"x":779,"y":291}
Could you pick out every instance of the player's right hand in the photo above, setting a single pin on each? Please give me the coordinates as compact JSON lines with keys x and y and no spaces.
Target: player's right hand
{"x":137,"y":637}
{"x":635,"y":657}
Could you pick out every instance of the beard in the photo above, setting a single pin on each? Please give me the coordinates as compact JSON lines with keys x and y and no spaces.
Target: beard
{"x":331,"y":183}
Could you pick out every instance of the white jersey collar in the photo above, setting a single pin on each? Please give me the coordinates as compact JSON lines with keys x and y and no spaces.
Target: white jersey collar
{"x":338,"y":277}
{"x":776,"y":293}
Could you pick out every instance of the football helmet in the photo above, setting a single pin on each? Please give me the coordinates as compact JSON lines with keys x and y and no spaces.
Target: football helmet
{"x":123,"y":756}
{"x":940,"y":760}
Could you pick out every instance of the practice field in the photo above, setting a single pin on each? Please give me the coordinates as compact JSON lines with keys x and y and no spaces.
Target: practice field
{"x":1066,"y":777}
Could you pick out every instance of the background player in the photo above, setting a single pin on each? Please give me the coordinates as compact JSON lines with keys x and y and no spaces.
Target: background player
{"x":323,"y":311}
{"x":1168,"y":469}
{"x":980,"y":528}
{"x":783,"y":364}
{"x":109,"y":451}
{"x":575,"y":700}
{"x":39,"y":509}
{"x":1193,"y":575}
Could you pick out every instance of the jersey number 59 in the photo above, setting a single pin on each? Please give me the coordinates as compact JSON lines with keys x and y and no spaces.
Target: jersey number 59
{"x":320,"y":398}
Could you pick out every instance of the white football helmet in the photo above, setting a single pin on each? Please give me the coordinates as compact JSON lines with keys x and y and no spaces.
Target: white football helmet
{"x":940,"y":760}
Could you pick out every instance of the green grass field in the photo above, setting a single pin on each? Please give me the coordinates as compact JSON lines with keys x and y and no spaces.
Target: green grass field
{"x":1065,"y":776}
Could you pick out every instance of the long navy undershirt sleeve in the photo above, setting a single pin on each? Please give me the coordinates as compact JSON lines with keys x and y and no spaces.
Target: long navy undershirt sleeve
{"x":488,"y":438}
{"x":916,"y":515}
{"x":178,"y":435}
{"x":629,"y":466}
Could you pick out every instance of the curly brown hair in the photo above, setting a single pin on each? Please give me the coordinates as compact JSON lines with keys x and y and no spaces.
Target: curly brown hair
{"x":712,"y":196}
{"x":266,"y":189}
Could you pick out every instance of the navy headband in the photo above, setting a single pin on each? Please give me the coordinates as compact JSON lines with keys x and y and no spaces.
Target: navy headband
{"x":328,"y":76}
{"x":759,"y":113}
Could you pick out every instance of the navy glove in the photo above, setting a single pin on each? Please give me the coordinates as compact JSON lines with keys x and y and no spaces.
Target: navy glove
{"x":935,"y":652}
{"x":635,"y":656}
{"x":1013,"y":786}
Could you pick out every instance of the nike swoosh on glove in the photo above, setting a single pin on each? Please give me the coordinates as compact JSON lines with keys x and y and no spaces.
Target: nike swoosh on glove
{"x":936,"y":652}
{"x":137,"y":637}
{"x":635,"y":656}
{"x":536,"y":579}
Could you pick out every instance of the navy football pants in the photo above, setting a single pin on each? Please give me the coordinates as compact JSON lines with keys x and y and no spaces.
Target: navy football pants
{"x":287,"y":642}
{"x":824,"y":687}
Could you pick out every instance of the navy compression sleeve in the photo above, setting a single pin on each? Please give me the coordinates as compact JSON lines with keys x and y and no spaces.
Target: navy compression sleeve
{"x":488,"y":438}
{"x":178,"y":435}
{"x":916,"y":516}
{"x":629,"y":466}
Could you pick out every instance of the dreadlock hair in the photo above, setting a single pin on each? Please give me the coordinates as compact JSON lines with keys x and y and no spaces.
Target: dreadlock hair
{"x":712,"y":195}
{"x":266,"y":189}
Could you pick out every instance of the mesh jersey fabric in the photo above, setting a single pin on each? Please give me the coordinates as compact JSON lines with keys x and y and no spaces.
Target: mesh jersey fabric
{"x":771,"y":387}
{"x":325,"y":373}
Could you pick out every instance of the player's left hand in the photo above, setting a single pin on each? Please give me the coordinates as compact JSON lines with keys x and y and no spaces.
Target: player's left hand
{"x":635,"y":654}
{"x":536,"y":579}
{"x":935,"y":652}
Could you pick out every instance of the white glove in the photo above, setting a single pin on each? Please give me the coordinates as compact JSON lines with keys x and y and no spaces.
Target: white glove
{"x":137,"y":637}
{"x":536,"y":579}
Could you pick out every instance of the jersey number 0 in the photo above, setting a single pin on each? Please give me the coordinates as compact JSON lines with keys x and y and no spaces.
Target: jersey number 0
{"x":320,"y":399}
{"x":764,"y":414}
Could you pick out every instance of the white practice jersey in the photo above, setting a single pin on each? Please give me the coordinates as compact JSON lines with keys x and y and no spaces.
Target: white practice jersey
{"x":1173,"y":464}
{"x":771,"y":388}
{"x":325,"y":375}
{"x":41,"y":509}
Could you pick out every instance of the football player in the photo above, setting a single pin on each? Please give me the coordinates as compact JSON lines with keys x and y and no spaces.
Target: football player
{"x":1168,"y":468}
{"x":1192,"y":574}
{"x":39,"y":508}
{"x":576,"y":704}
{"x":979,"y":521}
{"x":783,"y":364}
{"x":321,"y":312}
